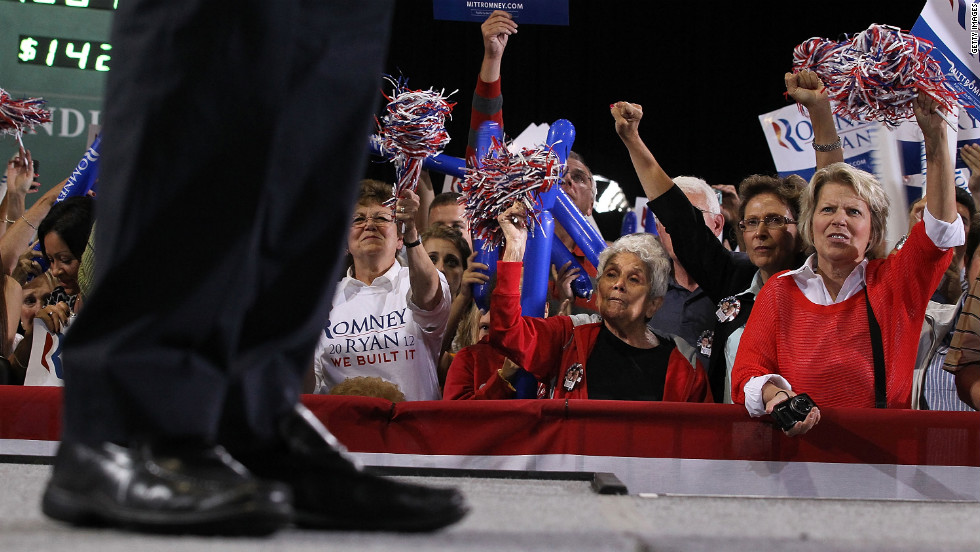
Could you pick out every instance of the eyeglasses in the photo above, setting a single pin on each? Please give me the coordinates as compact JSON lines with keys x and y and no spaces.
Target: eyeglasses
{"x":360,"y":221}
{"x":772,"y":221}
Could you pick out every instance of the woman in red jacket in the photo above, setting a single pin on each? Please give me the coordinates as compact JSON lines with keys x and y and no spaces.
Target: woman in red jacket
{"x":617,"y":358}
{"x":844,"y":327}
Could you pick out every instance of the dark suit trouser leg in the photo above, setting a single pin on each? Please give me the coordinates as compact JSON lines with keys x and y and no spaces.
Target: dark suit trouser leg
{"x":234,"y":133}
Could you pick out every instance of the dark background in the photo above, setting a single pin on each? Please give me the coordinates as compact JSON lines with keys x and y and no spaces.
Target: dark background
{"x":703,"y":71}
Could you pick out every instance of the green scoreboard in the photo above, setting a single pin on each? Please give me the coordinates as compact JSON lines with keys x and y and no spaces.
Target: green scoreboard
{"x":58,"y":50}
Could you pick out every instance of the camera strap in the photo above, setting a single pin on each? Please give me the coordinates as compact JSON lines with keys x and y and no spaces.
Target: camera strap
{"x":878,"y":352}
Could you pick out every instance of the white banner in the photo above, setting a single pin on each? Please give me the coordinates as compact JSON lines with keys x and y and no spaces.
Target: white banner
{"x":896,"y":157}
{"x":953,"y":27}
{"x":45,"y":368}
{"x":790,"y":137}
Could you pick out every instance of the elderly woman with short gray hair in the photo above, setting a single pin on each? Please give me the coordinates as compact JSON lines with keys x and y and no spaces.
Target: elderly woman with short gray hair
{"x":616,"y":358}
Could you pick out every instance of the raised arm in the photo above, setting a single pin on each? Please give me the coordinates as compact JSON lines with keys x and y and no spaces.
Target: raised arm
{"x":940,"y":181}
{"x":652,"y":176}
{"x":424,"y":277}
{"x":496,"y":31}
{"x":807,"y":89}
{"x":513,"y":225}
{"x":20,"y":234}
{"x":695,"y":245}
{"x":487,"y":100}
{"x":20,"y":175}
{"x":426,"y":195}
{"x":535,"y":343}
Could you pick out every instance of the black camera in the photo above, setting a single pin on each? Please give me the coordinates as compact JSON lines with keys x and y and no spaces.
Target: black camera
{"x":792,"y":410}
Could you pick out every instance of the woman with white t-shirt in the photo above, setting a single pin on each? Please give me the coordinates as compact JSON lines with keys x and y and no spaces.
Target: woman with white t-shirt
{"x":387,"y":320}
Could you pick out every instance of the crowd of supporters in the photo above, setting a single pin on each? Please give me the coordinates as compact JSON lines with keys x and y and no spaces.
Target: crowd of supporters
{"x":750,"y":294}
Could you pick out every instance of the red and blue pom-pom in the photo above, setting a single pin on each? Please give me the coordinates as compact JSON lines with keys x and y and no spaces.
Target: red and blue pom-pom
{"x":413,"y":128}
{"x":17,"y":116}
{"x":876,"y":74}
{"x":504,"y":178}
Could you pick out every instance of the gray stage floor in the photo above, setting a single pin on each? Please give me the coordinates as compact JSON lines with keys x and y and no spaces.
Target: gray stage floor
{"x":553,"y":515}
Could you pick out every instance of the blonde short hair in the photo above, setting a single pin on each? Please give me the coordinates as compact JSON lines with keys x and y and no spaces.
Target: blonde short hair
{"x":864,"y":184}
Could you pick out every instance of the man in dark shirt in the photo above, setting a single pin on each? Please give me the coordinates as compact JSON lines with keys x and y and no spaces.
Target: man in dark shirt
{"x":687,"y":311}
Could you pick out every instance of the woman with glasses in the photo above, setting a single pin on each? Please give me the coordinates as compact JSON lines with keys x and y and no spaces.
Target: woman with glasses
{"x":387,"y":320}
{"x":844,"y":327}
{"x":768,"y":215}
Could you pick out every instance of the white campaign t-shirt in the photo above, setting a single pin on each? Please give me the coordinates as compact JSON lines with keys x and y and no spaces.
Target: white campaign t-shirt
{"x":376,"y":330}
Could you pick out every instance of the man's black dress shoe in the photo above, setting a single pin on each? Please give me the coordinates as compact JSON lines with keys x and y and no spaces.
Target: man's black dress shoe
{"x":331,"y":492}
{"x":168,"y":489}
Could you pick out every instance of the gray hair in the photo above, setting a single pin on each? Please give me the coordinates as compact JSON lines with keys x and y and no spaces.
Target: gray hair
{"x":647,"y":247}
{"x":866,"y":187}
{"x":692,"y":185}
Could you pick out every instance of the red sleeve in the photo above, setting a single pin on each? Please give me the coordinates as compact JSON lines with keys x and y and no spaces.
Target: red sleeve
{"x":534,"y":343}
{"x":756,"y":354}
{"x":472,"y":376}
{"x":487,"y":106}
{"x":918,"y":265}
{"x":684,"y":383}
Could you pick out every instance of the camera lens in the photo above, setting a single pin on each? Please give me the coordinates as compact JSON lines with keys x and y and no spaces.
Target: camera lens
{"x":801,"y":404}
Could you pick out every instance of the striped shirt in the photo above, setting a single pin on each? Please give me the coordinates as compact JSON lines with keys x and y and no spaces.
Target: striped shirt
{"x":939,"y":388}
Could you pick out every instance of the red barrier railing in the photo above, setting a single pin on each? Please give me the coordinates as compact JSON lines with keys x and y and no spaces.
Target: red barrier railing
{"x":594,"y":428}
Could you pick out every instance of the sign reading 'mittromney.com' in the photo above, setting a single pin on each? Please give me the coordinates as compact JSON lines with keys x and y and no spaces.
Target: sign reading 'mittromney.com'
{"x":535,"y":12}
